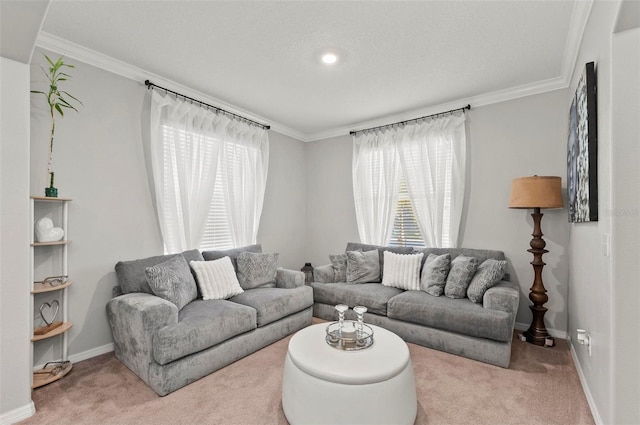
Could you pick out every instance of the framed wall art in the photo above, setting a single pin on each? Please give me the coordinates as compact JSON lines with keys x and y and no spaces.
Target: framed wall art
{"x":582,"y":150}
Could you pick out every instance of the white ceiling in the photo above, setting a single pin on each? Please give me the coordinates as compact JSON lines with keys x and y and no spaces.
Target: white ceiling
{"x":398,"y":58}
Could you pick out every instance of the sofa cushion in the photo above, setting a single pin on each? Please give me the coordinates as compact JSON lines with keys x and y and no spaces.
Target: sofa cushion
{"x":356,"y":246}
{"x":453,"y":315}
{"x":374,"y":296}
{"x":489,"y":273}
{"x":273,"y":304}
{"x":231,"y":253}
{"x":462,"y":270}
{"x":172,"y":280}
{"x":216,"y":279}
{"x":363,"y":266}
{"x":202,"y":324}
{"x":132,"y":274}
{"x":434,"y":274}
{"x":402,"y":271}
{"x":257,"y":270}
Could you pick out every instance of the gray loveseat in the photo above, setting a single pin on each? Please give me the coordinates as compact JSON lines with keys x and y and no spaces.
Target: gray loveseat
{"x":481,"y":331}
{"x":169,"y":348}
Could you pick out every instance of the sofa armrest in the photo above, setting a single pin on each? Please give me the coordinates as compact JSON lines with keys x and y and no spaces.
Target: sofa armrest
{"x":324,"y":274}
{"x":504,"y":296}
{"x":288,"y":279}
{"x":134,"y":319}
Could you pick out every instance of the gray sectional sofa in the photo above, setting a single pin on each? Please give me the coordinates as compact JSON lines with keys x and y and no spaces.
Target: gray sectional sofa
{"x":481,"y":331}
{"x":169,"y":348}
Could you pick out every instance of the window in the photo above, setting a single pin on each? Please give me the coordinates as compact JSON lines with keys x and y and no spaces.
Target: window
{"x":405,"y":225}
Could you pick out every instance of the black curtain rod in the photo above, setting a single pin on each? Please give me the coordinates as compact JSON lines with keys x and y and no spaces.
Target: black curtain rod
{"x":150,"y":85}
{"x":464,"y":108}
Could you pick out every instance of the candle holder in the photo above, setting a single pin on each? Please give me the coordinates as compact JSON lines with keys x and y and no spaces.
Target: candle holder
{"x":341,"y":310}
{"x":360,"y":311}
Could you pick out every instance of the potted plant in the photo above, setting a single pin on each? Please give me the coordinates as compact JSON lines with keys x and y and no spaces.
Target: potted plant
{"x":58,"y":100}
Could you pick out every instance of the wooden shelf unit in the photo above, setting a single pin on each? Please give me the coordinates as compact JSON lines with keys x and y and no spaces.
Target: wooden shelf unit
{"x":46,"y":376}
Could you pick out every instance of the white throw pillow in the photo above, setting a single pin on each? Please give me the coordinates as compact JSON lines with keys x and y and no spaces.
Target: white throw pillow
{"x":216,"y":279}
{"x":402,"y":271}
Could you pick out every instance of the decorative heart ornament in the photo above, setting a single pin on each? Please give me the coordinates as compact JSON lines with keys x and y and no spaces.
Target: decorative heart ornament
{"x":52,"y":306}
{"x":45,"y":232}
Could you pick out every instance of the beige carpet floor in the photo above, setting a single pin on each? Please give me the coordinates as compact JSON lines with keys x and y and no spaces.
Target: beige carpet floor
{"x":540,"y":387}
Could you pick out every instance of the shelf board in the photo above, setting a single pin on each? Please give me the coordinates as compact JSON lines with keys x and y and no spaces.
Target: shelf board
{"x":40,"y":378}
{"x":65,"y":242}
{"x":39,"y":287}
{"x":57,"y":331}
{"x":49,"y":199}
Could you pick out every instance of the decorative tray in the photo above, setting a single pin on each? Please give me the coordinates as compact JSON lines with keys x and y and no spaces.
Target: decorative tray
{"x":350,"y":337}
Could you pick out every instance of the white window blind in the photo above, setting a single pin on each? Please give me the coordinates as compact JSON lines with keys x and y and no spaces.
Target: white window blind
{"x":217,"y":231}
{"x":406,"y":231}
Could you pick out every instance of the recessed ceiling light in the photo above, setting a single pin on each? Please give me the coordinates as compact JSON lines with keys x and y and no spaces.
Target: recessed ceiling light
{"x":329,"y":58}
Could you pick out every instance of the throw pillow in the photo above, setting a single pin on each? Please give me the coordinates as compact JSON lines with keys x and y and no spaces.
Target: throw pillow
{"x":434,"y":274}
{"x":363,"y":266}
{"x":339,"y":265}
{"x":216,"y":279}
{"x":402,"y":271}
{"x":489,"y":273}
{"x":462,"y":270}
{"x":257,"y":270}
{"x":172,"y":280}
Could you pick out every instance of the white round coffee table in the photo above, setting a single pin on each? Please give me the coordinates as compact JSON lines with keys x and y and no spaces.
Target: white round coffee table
{"x":325,"y":385}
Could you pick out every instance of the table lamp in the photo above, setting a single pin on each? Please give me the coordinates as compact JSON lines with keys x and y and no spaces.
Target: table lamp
{"x":535,"y":193}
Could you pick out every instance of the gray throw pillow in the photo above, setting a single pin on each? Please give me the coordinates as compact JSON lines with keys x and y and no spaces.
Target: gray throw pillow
{"x":489,"y":273}
{"x":172,"y":280}
{"x":339,"y":265}
{"x":363,"y":267}
{"x":462,"y":271}
{"x":257,"y":270}
{"x":132,"y":275}
{"x":434,"y":274}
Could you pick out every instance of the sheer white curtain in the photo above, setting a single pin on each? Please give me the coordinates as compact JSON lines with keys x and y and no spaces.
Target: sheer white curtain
{"x":433,"y":157}
{"x":184,"y":156}
{"x":188,"y":146}
{"x":245,"y":162}
{"x":376,"y":183}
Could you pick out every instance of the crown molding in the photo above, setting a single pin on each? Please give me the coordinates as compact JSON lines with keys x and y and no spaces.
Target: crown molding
{"x":498,"y":96}
{"x":72,"y":50}
{"x":579,"y":18}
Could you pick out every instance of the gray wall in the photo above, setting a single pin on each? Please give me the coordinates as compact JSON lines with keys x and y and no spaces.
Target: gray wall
{"x":99,"y":160}
{"x":625,"y":217}
{"x":506,"y":140}
{"x":15,"y":358}
{"x":601,"y":283}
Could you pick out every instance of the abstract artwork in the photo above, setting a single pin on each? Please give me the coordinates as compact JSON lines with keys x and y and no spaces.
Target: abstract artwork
{"x":582,"y":150}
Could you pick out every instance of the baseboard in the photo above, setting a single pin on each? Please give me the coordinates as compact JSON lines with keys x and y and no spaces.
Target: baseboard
{"x":553,"y":332}
{"x":16,"y":415}
{"x":85,"y":355}
{"x":585,"y":387}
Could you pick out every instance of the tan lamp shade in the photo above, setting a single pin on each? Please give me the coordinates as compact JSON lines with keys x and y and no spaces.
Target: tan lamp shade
{"x":536,"y":192}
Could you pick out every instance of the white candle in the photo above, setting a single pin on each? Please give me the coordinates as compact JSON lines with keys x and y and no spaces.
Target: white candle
{"x":348,"y":330}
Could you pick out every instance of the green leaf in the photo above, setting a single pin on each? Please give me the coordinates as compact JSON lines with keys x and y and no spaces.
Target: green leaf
{"x":59,"y":109}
